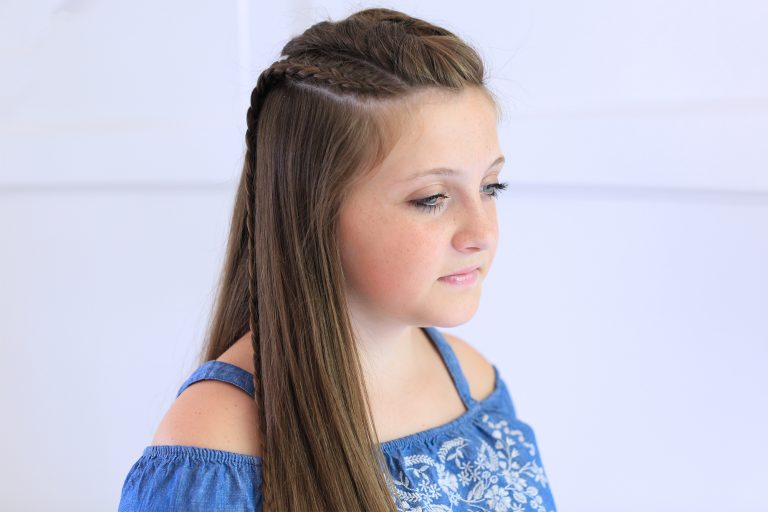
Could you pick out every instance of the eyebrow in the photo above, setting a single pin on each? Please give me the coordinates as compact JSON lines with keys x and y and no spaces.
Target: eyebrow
{"x":444,"y":171}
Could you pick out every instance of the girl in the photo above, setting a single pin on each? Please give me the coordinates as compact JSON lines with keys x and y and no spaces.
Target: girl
{"x":365,"y":216}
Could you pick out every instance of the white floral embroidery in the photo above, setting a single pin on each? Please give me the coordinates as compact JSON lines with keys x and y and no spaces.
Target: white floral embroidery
{"x":503,"y":477}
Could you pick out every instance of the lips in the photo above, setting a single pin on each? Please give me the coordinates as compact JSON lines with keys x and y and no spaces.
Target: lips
{"x":464,"y":270}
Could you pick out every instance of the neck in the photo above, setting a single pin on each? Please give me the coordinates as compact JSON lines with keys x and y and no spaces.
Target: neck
{"x":390,"y":354}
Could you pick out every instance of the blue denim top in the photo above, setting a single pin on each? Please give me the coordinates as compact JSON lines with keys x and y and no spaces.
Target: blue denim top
{"x":486,"y":459}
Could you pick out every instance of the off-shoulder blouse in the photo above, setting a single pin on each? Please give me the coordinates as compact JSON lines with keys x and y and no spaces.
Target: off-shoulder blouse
{"x":484,"y":460}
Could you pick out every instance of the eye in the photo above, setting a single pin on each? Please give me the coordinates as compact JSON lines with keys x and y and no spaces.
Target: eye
{"x":496,"y":188}
{"x":427,"y":203}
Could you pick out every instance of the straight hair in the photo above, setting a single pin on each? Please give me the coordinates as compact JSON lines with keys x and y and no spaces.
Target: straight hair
{"x":320,"y":118}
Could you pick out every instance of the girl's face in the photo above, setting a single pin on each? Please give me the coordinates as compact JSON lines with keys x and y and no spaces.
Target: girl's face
{"x":395,"y":252}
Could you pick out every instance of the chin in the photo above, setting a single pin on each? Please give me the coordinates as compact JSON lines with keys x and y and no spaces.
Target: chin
{"x":455,"y":315}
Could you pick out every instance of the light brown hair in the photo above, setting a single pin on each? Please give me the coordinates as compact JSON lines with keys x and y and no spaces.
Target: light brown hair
{"x":320,"y":118}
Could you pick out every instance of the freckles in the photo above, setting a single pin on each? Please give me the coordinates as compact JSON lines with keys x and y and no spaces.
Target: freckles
{"x":392,"y":264}
{"x":390,"y":250}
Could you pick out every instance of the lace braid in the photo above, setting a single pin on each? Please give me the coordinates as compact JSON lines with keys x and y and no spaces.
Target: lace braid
{"x":257,"y":100}
{"x":281,"y":70}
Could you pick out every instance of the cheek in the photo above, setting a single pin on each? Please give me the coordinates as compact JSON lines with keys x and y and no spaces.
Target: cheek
{"x":383,"y":256}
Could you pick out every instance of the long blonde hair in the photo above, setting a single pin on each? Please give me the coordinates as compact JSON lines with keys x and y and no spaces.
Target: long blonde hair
{"x":319,"y":117}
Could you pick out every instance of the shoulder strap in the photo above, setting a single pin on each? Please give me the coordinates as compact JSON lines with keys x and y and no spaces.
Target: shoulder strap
{"x":232,"y":374}
{"x":452,"y":363}
{"x":224,"y":372}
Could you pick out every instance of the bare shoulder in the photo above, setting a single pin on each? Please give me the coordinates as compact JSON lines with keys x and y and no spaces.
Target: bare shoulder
{"x":477,"y":369}
{"x":212,"y":414}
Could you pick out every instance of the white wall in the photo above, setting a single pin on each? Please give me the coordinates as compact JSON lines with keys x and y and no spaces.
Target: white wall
{"x":627,"y":307}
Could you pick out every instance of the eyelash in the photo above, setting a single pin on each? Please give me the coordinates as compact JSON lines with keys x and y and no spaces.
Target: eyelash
{"x":419,"y":203}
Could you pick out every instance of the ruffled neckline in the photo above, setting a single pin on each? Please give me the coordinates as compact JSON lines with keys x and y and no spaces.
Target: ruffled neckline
{"x":392,"y":445}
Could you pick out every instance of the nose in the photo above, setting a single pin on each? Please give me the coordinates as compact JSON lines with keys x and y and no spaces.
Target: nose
{"x":476,"y":226}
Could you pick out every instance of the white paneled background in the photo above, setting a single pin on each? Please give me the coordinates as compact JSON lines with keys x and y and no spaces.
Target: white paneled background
{"x":627,"y":307}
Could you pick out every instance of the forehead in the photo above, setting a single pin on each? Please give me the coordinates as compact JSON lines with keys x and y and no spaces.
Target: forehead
{"x":438,"y":129}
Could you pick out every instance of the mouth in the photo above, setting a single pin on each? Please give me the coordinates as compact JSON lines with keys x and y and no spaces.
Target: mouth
{"x":463,"y":272}
{"x":464,"y":277}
